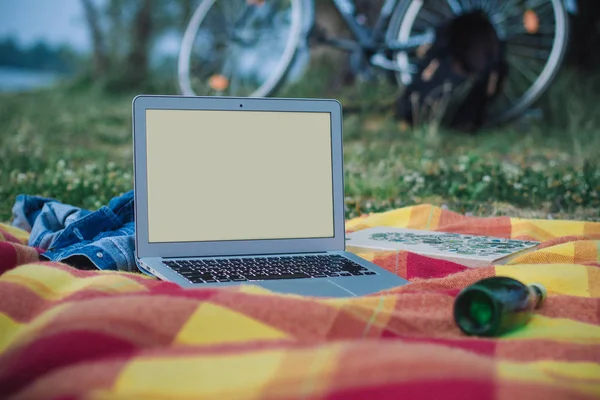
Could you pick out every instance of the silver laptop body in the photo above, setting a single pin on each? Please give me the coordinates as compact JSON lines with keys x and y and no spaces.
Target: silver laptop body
{"x":233,"y":191}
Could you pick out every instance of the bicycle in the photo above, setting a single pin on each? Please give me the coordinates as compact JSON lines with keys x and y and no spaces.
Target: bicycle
{"x":237,"y":43}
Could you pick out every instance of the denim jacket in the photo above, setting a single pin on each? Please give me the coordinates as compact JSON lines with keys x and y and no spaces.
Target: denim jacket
{"x":103,"y":238}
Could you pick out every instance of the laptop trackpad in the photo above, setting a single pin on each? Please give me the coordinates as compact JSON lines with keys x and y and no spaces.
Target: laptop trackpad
{"x":319,"y":288}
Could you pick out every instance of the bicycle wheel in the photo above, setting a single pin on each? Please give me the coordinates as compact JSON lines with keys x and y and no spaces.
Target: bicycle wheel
{"x":535,"y":33}
{"x":239,"y":48}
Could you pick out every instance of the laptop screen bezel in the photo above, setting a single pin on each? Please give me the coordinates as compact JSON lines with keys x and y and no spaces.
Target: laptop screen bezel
{"x":146,"y":249}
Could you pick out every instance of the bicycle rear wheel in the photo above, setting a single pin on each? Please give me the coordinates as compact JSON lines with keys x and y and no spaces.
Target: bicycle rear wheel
{"x":240,"y":48}
{"x":536,"y":34}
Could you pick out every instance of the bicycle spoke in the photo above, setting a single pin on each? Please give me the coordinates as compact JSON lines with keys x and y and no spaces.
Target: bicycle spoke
{"x":519,"y":11}
{"x":517,"y":27}
{"x":525,"y":39}
{"x":455,"y":6}
{"x":533,"y":31}
{"x":206,"y":69}
{"x":429,"y":17}
{"x":510,"y":94}
{"x":494,"y":7}
{"x":230,"y":13}
{"x":531,"y":4}
{"x":442,"y":8}
{"x":546,"y":11}
{"x":488,"y":6}
{"x":522,"y":51}
{"x":523,"y":69}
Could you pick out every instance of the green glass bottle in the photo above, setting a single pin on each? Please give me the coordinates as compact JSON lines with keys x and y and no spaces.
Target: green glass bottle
{"x":494,"y":306}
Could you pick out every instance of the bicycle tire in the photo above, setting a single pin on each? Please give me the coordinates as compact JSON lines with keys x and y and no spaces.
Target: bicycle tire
{"x":534,"y":92}
{"x":273,"y":82}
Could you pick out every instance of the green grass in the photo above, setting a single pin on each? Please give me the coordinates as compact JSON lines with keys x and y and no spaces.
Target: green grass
{"x":75,"y":146}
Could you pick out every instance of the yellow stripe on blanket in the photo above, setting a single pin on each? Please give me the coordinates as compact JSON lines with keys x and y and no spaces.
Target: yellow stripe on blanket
{"x":582,"y":375}
{"x":399,"y":218}
{"x":578,"y":252}
{"x":201,"y":377}
{"x":214,"y":324}
{"x":557,"y":329}
{"x":20,"y":234}
{"x":568,"y":279}
{"x":543,"y":230}
{"x":8,"y":330}
{"x":54,"y":284}
{"x":14,"y":333}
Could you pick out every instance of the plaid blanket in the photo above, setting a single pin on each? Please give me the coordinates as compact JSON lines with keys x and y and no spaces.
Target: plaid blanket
{"x":67,"y":333}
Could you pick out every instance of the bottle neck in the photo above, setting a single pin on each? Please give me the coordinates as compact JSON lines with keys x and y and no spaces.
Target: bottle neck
{"x":539,"y":292}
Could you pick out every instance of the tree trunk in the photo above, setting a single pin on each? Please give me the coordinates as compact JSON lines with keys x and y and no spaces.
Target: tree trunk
{"x":186,"y":13}
{"x":100,"y":57}
{"x":141,"y":38}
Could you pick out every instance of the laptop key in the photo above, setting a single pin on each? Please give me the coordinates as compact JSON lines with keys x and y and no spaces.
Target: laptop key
{"x":345,"y":274}
{"x":370,"y":273}
{"x":273,"y":277}
{"x":194,"y":279}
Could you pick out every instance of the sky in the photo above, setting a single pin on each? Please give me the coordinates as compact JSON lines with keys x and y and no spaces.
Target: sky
{"x":56,"y":22}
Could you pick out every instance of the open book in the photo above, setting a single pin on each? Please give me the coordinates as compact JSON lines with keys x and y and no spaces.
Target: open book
{"x":468,"y":250}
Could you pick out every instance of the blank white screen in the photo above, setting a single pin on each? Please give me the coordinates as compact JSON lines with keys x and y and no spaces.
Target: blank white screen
{"x":238,"y":175}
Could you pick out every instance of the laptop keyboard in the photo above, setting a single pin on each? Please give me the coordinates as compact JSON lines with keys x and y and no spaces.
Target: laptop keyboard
{"x":266,"y":268}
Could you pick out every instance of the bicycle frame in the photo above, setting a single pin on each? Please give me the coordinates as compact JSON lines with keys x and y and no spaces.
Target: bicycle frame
{"x":371,"y":40}
{"x":364,"y":38}
{"x":367,"y":39}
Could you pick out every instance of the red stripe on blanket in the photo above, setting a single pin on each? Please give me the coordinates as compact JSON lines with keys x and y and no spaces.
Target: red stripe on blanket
{"x":54,"y":352}
{"x":418,"y":266}
{"x":78,"y":378}
{"x":580,"y":309}
{"x":561,"y":240}
{"x":518,"y":350}
{"x":454,"y":389}
{"x":477,"y":346}
{"x":145,"y":322}
{"x":20,"y":303}
{"x":148,"y":282}
{"x":9,"y":237}
{"x":453,"y":282}
{"x":446,"y":389}
{"x":394,"y":262}
{"x":458,"y":223}
{"x":188,"y":293}
{"x":8,"y":257}
{"x":512,"y":390}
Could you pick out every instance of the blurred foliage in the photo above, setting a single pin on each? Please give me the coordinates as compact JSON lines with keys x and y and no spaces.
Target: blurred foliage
{"x":39,"y":56}
{"x":123,"y":35}
{"x":75,"y":145}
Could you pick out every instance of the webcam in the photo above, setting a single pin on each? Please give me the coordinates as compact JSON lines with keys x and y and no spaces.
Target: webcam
{"x":241,"y":105}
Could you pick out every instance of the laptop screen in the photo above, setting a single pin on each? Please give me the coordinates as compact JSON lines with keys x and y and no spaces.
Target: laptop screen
{"x":238,"y":175}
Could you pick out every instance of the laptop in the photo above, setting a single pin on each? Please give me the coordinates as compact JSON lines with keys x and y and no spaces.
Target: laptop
{"x":232,"y":191}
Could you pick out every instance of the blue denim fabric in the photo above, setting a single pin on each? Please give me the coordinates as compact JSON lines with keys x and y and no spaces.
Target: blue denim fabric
{"x":103,"y":238}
